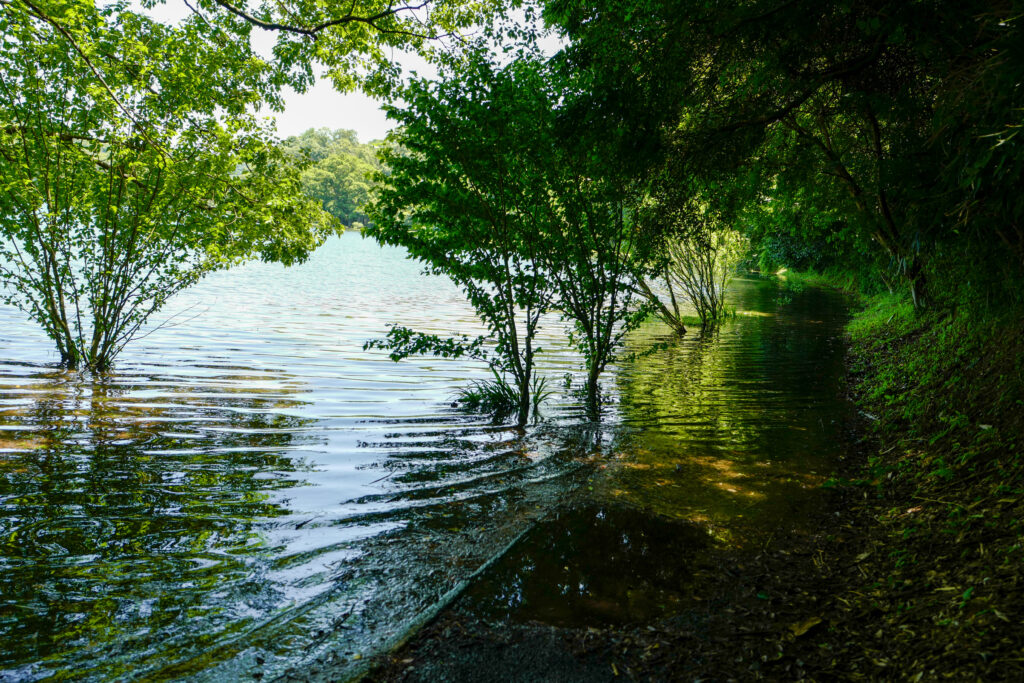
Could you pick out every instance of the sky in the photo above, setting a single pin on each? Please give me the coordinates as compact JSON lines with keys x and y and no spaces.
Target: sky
{"x":322,"y":106}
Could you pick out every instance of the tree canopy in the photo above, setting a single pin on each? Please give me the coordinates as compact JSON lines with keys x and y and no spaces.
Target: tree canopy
{"x":340,"y":173}
{"x":883,"y":127}
{"x":132,"y":159}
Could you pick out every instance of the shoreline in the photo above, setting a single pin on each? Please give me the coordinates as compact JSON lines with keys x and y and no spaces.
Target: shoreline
{"x":904,"y":576}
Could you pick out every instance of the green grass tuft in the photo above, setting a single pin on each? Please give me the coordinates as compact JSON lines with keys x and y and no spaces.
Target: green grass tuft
{"x":492,"y":396}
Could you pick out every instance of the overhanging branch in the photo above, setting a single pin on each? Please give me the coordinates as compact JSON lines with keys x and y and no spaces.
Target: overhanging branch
{"x":349,"y":18}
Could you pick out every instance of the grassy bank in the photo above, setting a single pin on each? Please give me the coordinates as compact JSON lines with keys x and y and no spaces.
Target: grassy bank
{"x":932,"y":584}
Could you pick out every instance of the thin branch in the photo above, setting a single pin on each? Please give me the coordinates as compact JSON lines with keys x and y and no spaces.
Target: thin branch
{"x":316,"y":29}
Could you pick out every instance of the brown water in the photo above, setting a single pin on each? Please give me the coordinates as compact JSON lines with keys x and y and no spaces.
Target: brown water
{"x":250,"y":492}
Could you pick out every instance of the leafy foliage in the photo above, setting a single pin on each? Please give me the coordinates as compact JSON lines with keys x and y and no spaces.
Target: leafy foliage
{"x":356,"y":41}
{"x":403,"y":342}
{"x":488,"y":189}
{"x":120,"y":191}
{"x":699,"y":265}
{"x":461,"y":194}
{"x":883,"y":128}
{"x":340,"y":175}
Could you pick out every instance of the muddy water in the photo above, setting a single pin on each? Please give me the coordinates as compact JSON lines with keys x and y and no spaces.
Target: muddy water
{"x":250,"y":493}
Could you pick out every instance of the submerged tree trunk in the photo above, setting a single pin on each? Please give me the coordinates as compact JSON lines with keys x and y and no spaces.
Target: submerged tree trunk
{"x":523,"y":413}
{"x":593,"y":398}
{"x":670,"y":316}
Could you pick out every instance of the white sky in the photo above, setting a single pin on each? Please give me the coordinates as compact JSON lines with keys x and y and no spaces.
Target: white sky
{"x":323,"y":107}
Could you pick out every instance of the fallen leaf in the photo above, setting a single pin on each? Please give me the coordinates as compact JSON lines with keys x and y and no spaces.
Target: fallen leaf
{"x":803,"y":627}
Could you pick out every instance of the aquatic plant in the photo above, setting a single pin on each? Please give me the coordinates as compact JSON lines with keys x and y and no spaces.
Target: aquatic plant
{"x":495,"y":396}
{"x":499,"y":397}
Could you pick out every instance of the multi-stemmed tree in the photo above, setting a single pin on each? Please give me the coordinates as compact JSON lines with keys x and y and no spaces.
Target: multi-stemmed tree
{"x":484,"y":186}
{"x":122,"y":187}
{"x":462,"y":193}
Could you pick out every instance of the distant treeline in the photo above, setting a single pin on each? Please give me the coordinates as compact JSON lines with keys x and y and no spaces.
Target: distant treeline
{"x":340,"y":170}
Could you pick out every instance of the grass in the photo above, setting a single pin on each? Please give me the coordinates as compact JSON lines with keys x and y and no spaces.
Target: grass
{"x":942,"y":378}
{"x":941,"y":492}
{"x":850,"y":283}
{"x":491,"y":396}
{"x":498,"y":397}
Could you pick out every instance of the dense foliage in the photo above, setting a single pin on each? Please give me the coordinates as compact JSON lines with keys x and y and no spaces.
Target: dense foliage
{"x":483,"y":186}
{"x":882,"y":134}
{"x":461,"y":194}
{"x":340,"y":172}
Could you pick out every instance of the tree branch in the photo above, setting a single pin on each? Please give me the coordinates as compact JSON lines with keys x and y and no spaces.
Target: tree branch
{"x":316,"y":29}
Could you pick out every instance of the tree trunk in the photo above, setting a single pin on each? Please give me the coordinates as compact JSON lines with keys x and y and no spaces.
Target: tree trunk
{"x":523,"y":414}
{"x":918,"y":291}
{"x":593,"y":403}
{"x":69,"y":359}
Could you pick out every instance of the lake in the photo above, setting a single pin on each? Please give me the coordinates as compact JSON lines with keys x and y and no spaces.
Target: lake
{"x":250,"y":492}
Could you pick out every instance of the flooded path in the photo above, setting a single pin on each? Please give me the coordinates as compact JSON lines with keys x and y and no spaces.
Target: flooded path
{"x":251,"y":493}
{"x":722,"y":443}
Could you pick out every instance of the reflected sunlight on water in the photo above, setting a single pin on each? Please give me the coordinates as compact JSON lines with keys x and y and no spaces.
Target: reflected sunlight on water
{"x":739,"y":428}
{"x":250,"y":490}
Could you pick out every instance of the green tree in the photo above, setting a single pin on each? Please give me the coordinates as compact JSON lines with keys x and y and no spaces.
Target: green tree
{"x":593,"y":253}
{"x":123,"y":187}
{"x":464,"y":193}
{"x":699,"y":256}
{"x":495,"y":191}
{"x":340,"y":175}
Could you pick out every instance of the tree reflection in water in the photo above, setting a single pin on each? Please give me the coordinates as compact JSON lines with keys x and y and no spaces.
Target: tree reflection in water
{"x":133,"y":527}
{"x":737,"y":430}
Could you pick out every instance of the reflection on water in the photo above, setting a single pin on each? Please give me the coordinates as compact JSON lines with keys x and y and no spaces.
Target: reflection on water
{"x":593,"y":565}
{"x":743,"y":425}
{"x":250,"y":489}
{"x":722,"y":441}
{"x":119,"y":528}
{"x":251,"y":492}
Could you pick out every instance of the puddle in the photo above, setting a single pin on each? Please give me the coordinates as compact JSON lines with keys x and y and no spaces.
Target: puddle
{"x":592,"y":566}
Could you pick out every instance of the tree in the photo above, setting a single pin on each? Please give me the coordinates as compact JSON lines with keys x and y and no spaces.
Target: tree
{"x":340,"y":175}
{"x":132,"y":161}
{"x":695,"y":251}
{"x":699,"y":256}
{"x":496,"y":192}
{"x":123,"y":188}
{"x":841,"y":92}
{"x":464,"y":193}
{"x":701,"y":264}
{"x":594,"y":255}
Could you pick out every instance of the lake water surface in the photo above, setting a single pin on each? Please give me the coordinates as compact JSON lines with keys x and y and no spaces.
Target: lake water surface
{"x":250,"y":492}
